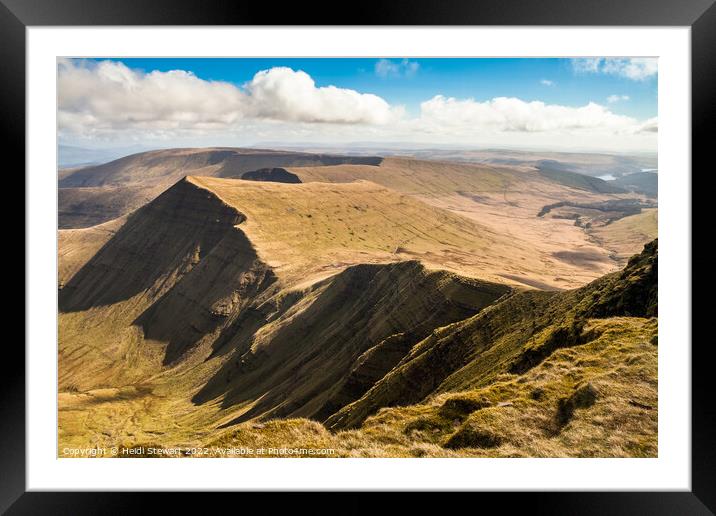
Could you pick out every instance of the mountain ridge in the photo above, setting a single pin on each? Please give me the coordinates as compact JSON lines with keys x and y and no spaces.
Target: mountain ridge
{"x":225,"y":307}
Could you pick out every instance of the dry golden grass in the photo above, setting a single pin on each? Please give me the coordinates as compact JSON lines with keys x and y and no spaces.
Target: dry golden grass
{"x":624,"y":236}
{"x":118,"y":389}
{"x":505,"y":201}
{"x":76,"y":246}
{"x":95,"y":194}
{"x":317,"y":229}
{"x":419,"y":177}
{"x":313,"y":230}
{"x":516,"y":416}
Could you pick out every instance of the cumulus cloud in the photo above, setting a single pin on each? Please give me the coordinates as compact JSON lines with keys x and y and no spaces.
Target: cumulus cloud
{"x":386,"y":68}
{"x":515,"y":115}
{"x":110,"y":95}
{"x":106,"y":96}
{"x":634,"y":68}
{"x":546,"y":82}
{"x":107,"y":101}
{"x":617,"y":98}
{"x":284,"y":94}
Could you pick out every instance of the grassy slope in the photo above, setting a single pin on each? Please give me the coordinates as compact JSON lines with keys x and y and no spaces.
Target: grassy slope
{"x":574,"y":375}
{"x":622,"y":236}
{"x":144,"y":336}
{"x":316,"y":229}
{"x":127,"y":389}
{"x":515,"y":416}
{"x":96,"y":194}
{"x":506,"y":200}
{"x":580,"y":181}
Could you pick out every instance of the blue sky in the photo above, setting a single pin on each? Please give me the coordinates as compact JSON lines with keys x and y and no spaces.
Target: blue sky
{"x":462,"y":78}
{"x":624,"y":89}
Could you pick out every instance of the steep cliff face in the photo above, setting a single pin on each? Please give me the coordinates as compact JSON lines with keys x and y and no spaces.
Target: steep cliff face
{"x":225,"y":281}
{"x":512,"y":336}
{"x":186,"y":310}
{"x":180,"y":275}
{"x":131,"y":302}
{"x":96,"y":194}
{"x":296,"y":364}
{"x":440,"y":354}
{"x":276,"y":175}
{"x":156,"y":246}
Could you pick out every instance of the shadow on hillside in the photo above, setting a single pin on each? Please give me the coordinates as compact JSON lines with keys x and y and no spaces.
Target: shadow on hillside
{"x":157,"y":245}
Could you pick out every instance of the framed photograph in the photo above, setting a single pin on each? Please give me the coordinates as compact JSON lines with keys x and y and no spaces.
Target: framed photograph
{"x":414,"y":251}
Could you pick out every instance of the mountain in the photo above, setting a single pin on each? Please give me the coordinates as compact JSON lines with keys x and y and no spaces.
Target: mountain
{"x":536,"y":374}
{"x":585,"y":162}
{"x":514,"y":336}
{"x":95,"y":194}
{"x":513,"y":200}
{"x":213,"y":247}
{"x":71,"y":156}
{"x":494,"y":196}
{"x":190,"y":285}
{"x":350,"y":309}
{"x":640,"y":182}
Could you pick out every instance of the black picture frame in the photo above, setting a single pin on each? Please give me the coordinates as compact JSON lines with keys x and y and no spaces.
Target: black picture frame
{"x":700,"y":15}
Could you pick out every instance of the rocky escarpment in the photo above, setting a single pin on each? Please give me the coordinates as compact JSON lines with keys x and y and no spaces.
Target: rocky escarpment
{"x":276,"y":175}
{"x":181,"y":273}
{"x":312,"y":358}
{"x":137,"y":297}
{"x":225,"y":281}
{"x":512,"y":336}
{"x":439,"y":355}
{"x":156,"y":247}
{"x":96,"y":194}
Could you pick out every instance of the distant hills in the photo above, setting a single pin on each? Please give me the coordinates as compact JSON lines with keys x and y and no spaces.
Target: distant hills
{"x":96,"y":194}
{"x":640,"y":182}
{"x":71,"y":156}
{"x":382,"y":306}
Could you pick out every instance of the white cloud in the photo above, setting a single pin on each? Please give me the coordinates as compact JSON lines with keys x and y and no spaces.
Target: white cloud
{"x":387,"y":68}
{"x":514,"y":115}
{"x":617,"y":98}
{"x":109,"y":102}
{"x":634,"y":68}
{"x":648,"y":126}
{"x":546,"y":82}
{"x":284,"y":94}
{"x":586,"y":64}
{"x":107,"y":96}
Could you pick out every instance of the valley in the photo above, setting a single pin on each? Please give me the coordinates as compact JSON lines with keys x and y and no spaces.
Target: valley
{"x":377,"y":306}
